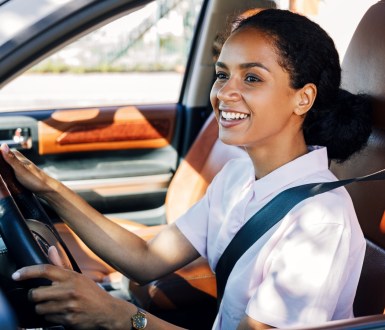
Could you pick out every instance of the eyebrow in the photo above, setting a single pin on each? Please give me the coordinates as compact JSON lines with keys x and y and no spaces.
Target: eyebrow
{"x":245,"y":65}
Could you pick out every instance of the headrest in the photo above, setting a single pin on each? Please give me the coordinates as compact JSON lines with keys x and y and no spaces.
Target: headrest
{"x":363,"y":67}
{"x":363,"y":70}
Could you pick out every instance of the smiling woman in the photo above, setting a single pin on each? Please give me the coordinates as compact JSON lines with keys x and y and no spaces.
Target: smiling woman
{"x":269,"y":94}
{"x":276,"y":87}
{"x":284,"y":82}
{"x":252,"y":84}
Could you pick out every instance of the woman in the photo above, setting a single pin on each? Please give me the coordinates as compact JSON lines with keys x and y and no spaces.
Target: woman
{"x":276,"y":94}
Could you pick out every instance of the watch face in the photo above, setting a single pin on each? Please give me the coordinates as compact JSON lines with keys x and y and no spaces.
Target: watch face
{"x":139,"y":321}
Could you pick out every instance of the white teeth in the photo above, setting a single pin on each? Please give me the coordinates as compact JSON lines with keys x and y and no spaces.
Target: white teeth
{"x":233,"y":115}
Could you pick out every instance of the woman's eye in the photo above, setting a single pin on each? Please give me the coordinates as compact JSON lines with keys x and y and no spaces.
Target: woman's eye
{"x":221,"y":75}
{"x":251,"y":78}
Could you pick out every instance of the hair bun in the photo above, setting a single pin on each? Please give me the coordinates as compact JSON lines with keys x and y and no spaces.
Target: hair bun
{"x":343,"y":126}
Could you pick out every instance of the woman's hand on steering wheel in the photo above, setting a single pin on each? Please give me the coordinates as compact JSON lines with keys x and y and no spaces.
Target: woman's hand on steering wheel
{"x":27,"y":173}
{"x":73,"y":300}
{"x":54,"y":256}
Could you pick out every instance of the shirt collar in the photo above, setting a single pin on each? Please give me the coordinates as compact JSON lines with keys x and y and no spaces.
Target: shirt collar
{"x":316,"y":160}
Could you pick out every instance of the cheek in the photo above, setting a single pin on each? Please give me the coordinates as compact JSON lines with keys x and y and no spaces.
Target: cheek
{"x":213,"y":94}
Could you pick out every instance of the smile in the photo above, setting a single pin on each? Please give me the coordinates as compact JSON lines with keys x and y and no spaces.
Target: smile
{"x":233,"y":115}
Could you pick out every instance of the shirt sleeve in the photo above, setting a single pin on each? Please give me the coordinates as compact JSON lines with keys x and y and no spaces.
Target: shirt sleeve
{"x":194,"y":223}
{"x":306,"y":272}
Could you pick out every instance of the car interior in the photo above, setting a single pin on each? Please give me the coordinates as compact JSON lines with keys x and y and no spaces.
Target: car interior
{"x":178,"y":297}
{"x":207,"y":156}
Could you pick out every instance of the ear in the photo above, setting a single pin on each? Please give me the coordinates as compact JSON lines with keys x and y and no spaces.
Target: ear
{"x":305,"y":99}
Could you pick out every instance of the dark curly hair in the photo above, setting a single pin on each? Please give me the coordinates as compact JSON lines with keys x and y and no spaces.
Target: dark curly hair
{"x":339,"y":120}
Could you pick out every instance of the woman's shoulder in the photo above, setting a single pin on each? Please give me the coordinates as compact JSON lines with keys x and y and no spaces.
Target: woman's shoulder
{"x":331,"y":207}
{"x":334,"y":206}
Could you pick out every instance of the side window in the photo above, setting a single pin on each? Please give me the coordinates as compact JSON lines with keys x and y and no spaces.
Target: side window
{"x":137,"y":59}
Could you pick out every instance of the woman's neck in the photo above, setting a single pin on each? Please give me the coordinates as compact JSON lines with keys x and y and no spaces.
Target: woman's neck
{"x":267,"y":159}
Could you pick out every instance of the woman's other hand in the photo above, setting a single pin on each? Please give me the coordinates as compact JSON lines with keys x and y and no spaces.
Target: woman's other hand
{"x":74,"y":300}
{"x":54,"y":257}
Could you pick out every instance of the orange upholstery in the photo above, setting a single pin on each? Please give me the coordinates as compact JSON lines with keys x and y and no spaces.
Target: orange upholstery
{"x":90,"y":264}
{"x":364,"y":71}
{"x":204,"y":160}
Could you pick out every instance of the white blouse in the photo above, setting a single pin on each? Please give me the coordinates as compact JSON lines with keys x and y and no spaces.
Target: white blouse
{"x":305,"y":269}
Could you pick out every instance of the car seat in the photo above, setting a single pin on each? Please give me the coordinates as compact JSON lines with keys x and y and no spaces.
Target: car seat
{"x":363,"y":71}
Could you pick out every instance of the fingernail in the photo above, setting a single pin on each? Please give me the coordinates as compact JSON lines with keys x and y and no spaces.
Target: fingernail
{"x":5,"y":147}
{"x":16,"y":275}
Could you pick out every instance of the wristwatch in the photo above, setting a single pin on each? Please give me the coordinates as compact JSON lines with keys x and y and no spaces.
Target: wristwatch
{"x":139,"y":320}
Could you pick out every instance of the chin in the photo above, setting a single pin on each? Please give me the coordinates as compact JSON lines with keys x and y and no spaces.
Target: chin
{"x":230,"y":140}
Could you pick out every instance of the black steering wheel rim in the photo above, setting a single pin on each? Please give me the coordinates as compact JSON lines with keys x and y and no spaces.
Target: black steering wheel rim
{"x":26,"y":232}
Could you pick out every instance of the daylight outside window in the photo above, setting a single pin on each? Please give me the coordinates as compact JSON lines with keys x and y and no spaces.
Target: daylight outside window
{"x":136,"y":59}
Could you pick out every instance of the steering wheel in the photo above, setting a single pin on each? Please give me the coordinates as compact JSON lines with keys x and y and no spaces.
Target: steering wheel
{"x":26,"y":233}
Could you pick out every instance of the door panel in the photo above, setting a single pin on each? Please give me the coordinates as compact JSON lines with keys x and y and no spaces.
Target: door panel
{"x":111,"y":129}
{"x":19,"y":132}
{"x":120,"y":159}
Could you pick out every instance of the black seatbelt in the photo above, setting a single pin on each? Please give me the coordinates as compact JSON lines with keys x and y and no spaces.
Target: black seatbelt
{"x":267,"y":217}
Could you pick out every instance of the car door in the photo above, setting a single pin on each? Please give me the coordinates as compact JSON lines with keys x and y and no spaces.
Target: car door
{"x":100,"y":106}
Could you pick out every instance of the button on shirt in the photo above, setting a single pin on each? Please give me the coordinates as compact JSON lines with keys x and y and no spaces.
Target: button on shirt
{"x":305,"y":269}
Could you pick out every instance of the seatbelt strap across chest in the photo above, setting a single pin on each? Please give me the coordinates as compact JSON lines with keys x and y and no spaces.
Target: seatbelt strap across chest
{"x":267,"y":217}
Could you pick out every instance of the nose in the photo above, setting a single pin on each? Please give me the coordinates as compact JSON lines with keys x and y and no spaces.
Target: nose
{"x":229,"y":91}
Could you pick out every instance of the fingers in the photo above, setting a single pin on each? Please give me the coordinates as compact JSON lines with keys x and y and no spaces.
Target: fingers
{"x":52,"y":308}
{"x":54,"y":256}
{"x":72,"y":299}
{"x":14,"y":158}
{"x":56,"y":292}
{"x":27,"y":173}
{"x":62,"y":287}
{"x":7,"y":153}
{"x":4,"y":148}
{"x":57,"y":303}
{"x":49,"y":272}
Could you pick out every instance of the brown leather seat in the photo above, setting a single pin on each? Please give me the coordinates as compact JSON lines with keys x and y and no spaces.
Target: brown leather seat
{"x":364,"y":71}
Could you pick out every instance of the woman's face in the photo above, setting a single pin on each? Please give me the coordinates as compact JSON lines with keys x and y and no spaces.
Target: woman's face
{"x":251,"y":97}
